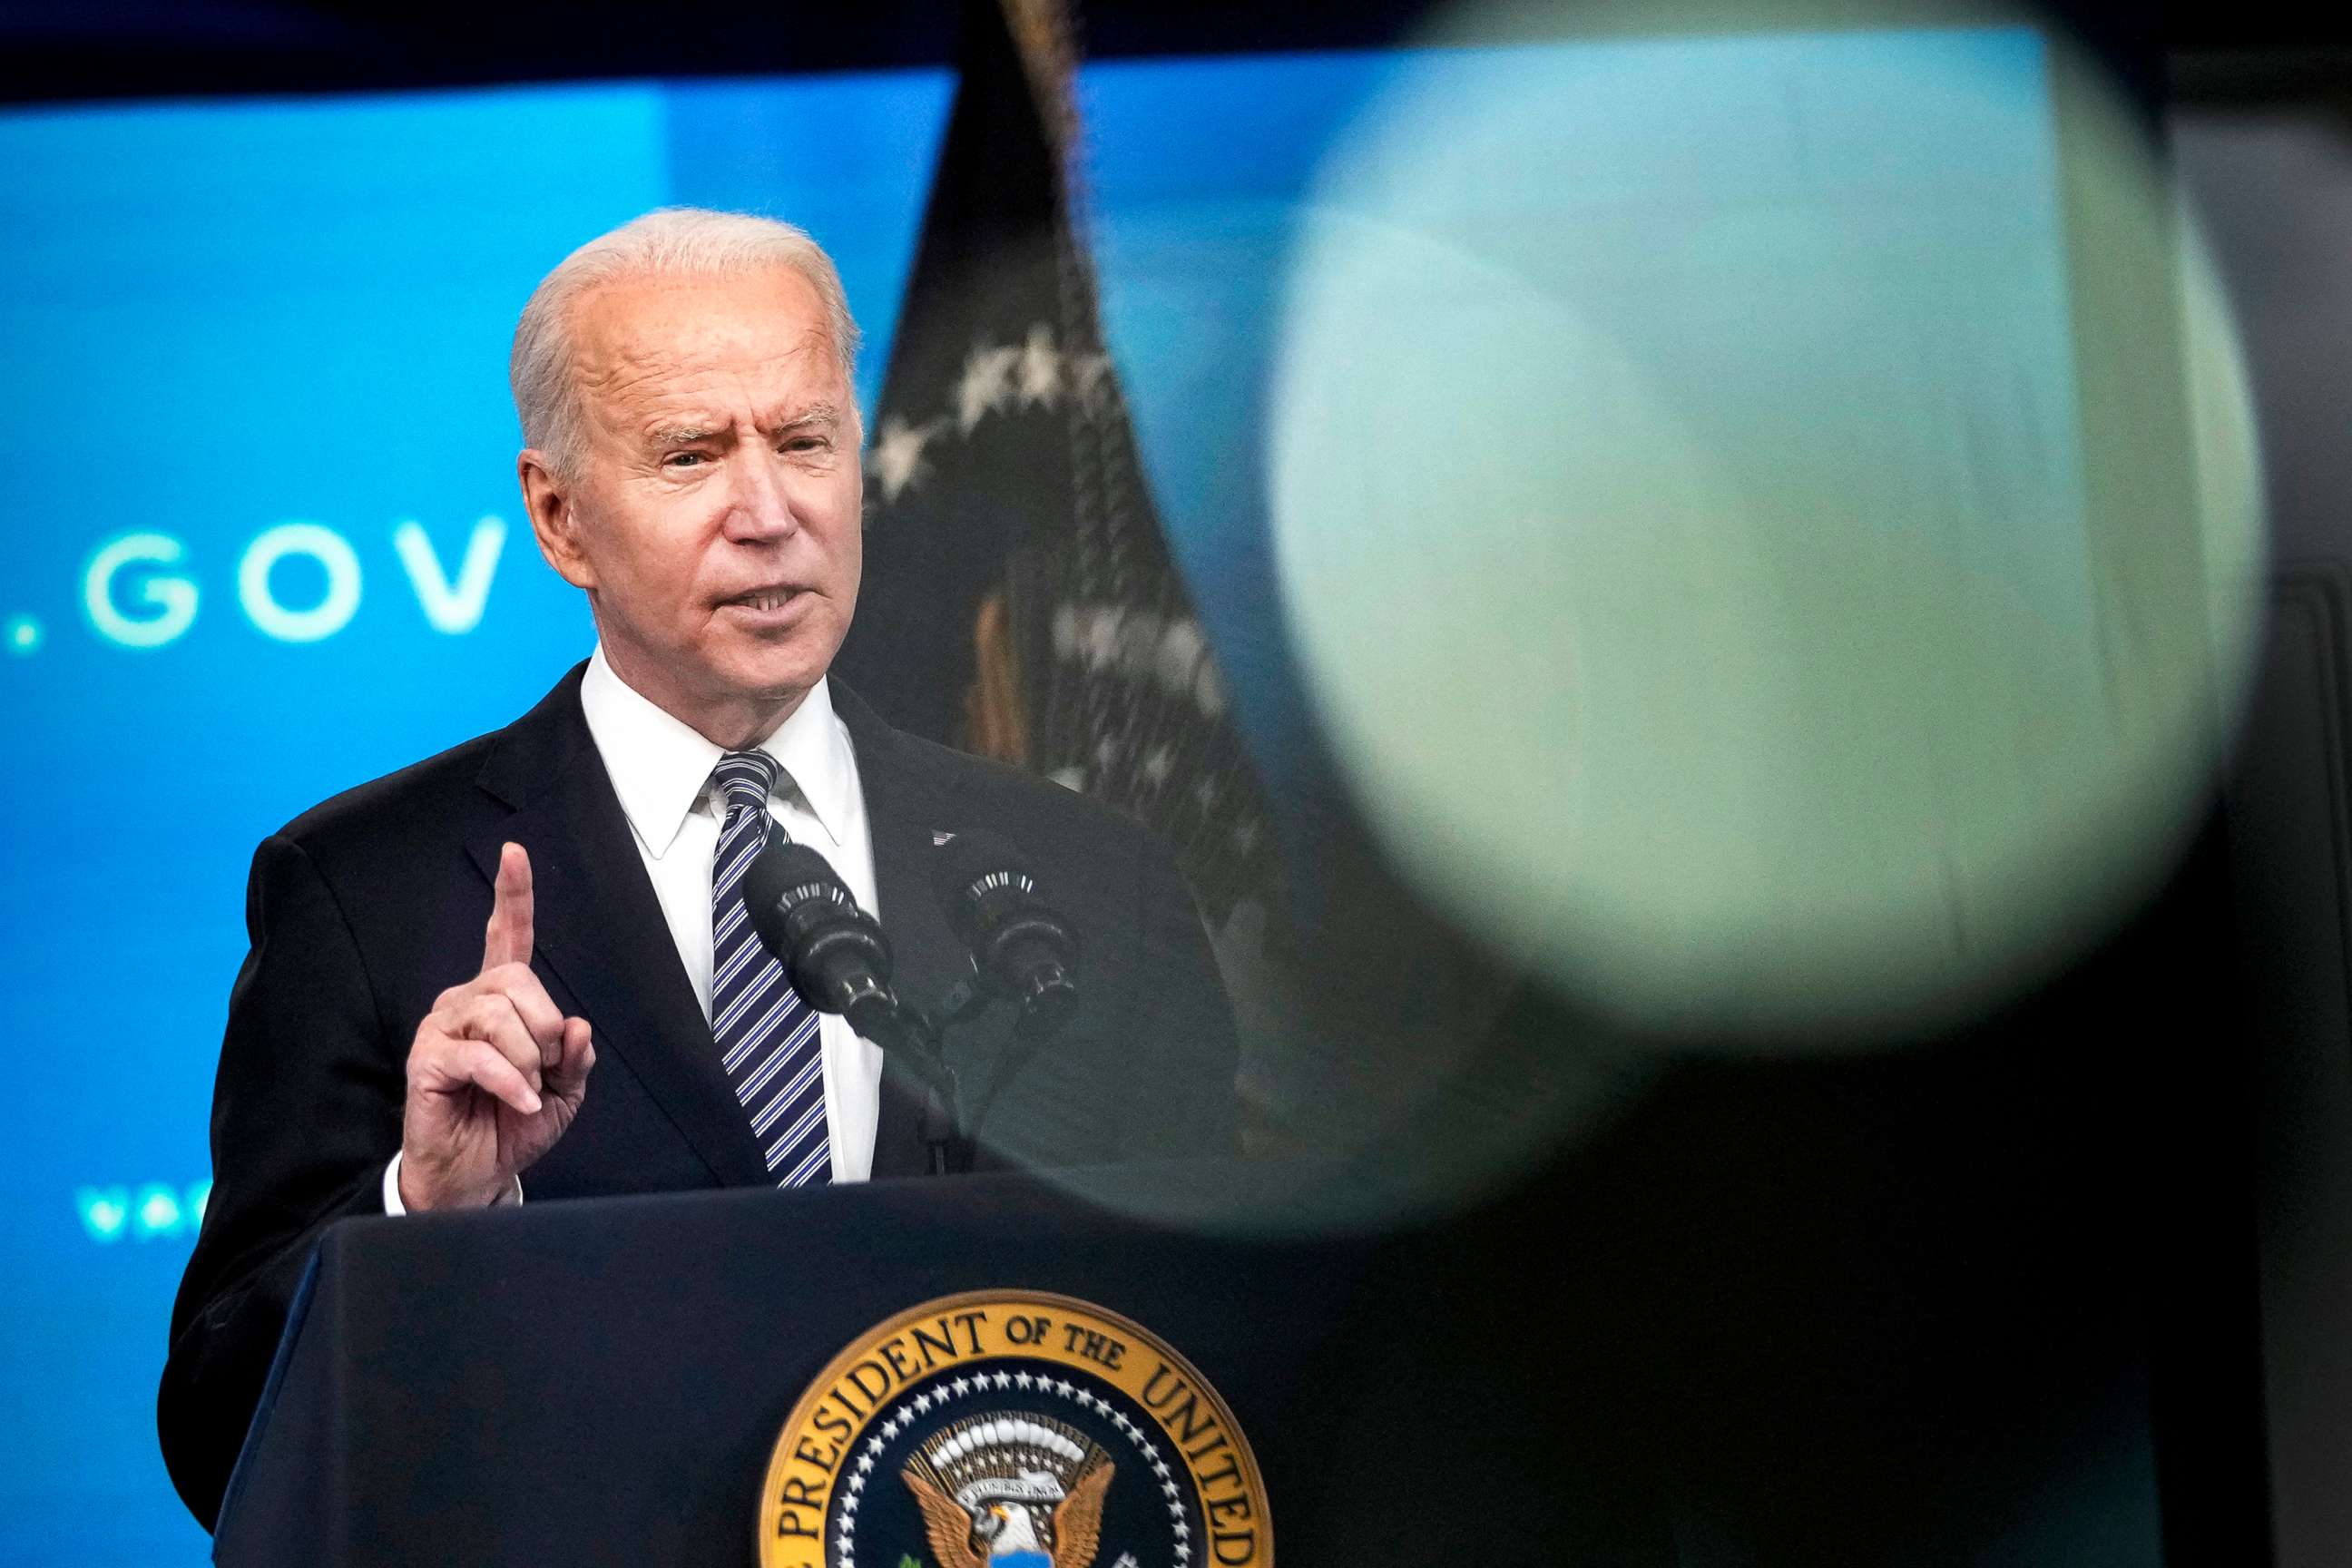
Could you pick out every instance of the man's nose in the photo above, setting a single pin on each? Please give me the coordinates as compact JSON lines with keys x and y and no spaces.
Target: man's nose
{"x":759,"y":497}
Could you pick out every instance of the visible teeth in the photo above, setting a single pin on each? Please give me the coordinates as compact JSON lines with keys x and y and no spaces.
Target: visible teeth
{"x":772,"y":600}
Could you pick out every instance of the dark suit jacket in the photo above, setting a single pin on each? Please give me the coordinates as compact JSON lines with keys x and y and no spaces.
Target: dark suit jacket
{"x":363,"y":910}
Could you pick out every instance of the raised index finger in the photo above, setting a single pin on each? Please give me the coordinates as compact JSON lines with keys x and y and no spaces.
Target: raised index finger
{"x":507,"y":937}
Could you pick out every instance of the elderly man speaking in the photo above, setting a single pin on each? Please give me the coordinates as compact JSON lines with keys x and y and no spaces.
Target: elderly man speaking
{"x":521,"y":970}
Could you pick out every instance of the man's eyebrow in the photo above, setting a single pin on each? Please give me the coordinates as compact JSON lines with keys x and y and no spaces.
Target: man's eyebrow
{"x":816,"y":415}
{"x":680,"y":432}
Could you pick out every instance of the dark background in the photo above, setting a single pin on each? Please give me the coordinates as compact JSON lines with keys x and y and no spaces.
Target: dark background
{"x":104,"y":48}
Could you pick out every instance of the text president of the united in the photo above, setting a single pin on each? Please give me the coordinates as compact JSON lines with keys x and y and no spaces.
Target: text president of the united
{"x":509,"y":971}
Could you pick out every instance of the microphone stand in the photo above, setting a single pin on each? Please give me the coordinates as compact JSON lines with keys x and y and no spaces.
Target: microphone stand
{"x":942,"y":1126}
{"x":909,"y":1033}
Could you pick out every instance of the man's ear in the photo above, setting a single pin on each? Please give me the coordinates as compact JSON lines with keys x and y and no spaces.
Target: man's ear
{"x":554,"y":520}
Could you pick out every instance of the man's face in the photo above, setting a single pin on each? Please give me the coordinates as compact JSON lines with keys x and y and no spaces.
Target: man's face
{"x":714,"y":518}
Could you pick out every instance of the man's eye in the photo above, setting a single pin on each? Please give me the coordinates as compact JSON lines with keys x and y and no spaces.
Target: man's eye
{"x":683,"y":460}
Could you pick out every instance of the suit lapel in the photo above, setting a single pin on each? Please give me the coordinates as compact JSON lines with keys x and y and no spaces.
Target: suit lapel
{"x":904,"y":801}
{"x":600,"y":930}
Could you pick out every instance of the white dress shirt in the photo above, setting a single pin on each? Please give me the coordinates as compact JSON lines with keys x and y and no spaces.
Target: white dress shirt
{"x":661,"y":768}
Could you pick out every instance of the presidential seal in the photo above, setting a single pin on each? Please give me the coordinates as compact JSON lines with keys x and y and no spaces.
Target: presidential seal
{"x":1011,"y":1429}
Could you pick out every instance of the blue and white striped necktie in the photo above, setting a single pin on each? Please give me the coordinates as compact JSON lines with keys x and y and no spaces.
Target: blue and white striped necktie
{"x":766,"y":1036}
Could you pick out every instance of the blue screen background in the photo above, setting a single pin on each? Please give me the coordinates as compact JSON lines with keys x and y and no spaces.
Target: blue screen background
{"x":224,"y":317}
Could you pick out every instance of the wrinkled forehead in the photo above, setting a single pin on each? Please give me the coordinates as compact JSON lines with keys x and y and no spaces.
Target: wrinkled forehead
{"x":646,"y":336}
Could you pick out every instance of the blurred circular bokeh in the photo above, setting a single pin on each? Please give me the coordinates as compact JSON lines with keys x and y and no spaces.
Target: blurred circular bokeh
{"x":1769,"y":519}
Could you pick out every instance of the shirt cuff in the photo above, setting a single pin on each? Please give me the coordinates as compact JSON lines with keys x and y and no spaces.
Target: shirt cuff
{"x":391,"y":1203}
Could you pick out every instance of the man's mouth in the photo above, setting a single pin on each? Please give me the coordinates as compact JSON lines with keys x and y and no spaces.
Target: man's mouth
{"x":762,"y":598}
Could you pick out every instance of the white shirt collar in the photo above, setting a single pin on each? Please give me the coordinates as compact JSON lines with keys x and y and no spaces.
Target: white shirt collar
{"x":660,"y":766}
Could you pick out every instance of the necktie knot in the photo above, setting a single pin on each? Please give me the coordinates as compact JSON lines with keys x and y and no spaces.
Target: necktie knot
{"x":746,"y":779}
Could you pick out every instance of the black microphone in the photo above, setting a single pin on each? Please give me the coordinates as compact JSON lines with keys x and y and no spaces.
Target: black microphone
{"x":1021,"y":948}
{"x":834,"y":953}
{"x":839,"y":962}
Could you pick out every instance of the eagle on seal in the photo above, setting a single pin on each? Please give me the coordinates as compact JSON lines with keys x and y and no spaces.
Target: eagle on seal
{"x":1011,"y":1492}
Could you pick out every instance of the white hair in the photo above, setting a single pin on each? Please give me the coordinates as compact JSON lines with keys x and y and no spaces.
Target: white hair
{"x":670,"y":242}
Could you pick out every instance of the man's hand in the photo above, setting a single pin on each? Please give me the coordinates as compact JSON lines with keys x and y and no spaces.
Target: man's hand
{"x":496,"y":1072}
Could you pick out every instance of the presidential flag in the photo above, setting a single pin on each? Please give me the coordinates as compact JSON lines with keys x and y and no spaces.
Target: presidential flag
{"x":1020,"y":599}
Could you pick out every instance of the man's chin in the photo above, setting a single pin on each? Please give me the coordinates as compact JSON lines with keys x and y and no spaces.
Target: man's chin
{"x":775,"y":674}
